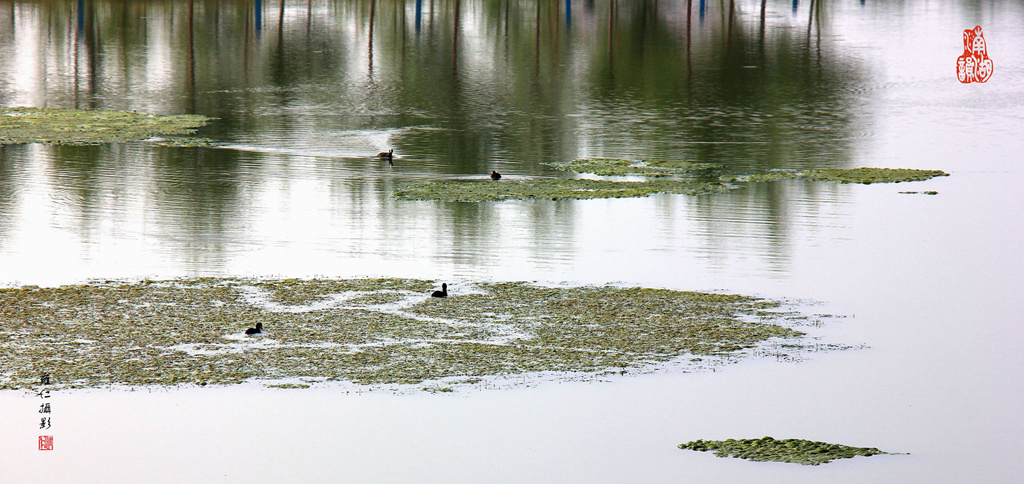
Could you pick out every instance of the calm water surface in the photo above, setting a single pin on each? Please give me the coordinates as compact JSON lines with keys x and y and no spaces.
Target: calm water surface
{"x":929,"y":283}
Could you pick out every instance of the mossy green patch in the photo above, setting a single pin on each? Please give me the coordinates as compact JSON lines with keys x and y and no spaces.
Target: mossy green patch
{"x":675,"y":177}
{"x":796,"y":451}
{"x":549,"y":189}
{"x":872,"y":175}
{"x":368,"y":331}
{"x":75,"y":126}
{"x":620,"y":167}
{"x":770,"y":176}
{"x":866,"y":176}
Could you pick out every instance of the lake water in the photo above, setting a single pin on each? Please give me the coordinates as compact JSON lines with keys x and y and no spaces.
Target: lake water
{"x":930,"y":284}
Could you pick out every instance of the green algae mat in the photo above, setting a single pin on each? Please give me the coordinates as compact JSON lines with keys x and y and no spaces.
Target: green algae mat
{"x":575,"y":188}
{"x":659,"y":176}
{"x":373,"y":331}
{"x":76,"y":127}
{"x":796,"y":451}
{"x":864,"y":176}
{"x":548,"y":189}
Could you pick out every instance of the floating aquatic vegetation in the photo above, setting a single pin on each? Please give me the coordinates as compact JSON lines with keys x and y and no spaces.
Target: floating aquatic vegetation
{"x":619,"y":167}
{"x":371,"y":331}
{"x":549,"y":189}
{"x":762,"y":177}
{"x":796,"y":451}
{"x":866,"y":176}
{"x":663,"y":177}
{"x":76,"y":126}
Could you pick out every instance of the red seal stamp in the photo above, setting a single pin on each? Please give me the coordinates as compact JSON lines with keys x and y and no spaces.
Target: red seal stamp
{"x":45,"y":442}
{"x":974,"y":65}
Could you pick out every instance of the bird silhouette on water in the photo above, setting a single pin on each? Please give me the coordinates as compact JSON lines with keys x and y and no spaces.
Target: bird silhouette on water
{"x":443,"y":292}
{"x":495,"y":175}
{"x":386,"y":154}
{"x":257,"y":330}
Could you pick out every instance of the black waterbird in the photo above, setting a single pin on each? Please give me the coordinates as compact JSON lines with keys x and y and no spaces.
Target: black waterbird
{"x":443,"y":292}
{"x":257,"y":330}
{"x":495,"y":175}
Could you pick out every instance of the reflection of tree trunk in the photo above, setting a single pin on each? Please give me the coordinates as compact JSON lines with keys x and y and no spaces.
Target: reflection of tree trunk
{"x":91,"y":44}
{"x":557,"y":26}
{"x":728,"y":32}
{"x":764,"y":3}
{"x":760,"y":61}
{"x":689,"y":23}
{"x":280,"y":28}
{"x":810,"y":21}
{"x":369,"y":50}
{"x":507,"y":2}
{"x":191,"y":58}
{"x":455,"y":41}
{"x":536,"y":43}
{"x":817,"y":35}
{"x":611,"y":40}
{"x":281,"y":18}
{"x":245,"y":46}
{"x":74,"y":48}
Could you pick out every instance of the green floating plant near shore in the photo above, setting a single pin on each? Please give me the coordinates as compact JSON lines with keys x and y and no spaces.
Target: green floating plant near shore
{"x":369,"y":331}
{"x":865,"y":176}
{"x":76,"y":127}
{"x":548,"y":189}
{"x":577,"y":189}
{"x":676,"y":177}
{"x":796,"y":451}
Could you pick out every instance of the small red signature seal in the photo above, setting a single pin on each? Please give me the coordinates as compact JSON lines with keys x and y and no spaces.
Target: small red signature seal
{"x":45,"y":442}
{"x":974,"y":65}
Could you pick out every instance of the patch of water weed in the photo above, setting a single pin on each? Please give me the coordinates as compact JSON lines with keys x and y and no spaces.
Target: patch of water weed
{"x":549,"y":189}
{"x":773,"y":175}
{"x":367,"y":331}
{"x":868,"y":176}
{"x":796,"y":451}
{"x":76,"y":126}
{"x":865,"y":176}
{"x":620,"y":167}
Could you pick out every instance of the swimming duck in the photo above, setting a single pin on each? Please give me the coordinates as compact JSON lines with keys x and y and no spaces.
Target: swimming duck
{"x":388,"y":154}
{"x":257,"y":330}
{"x":443,"y":292}
{"x":495,"y":175}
